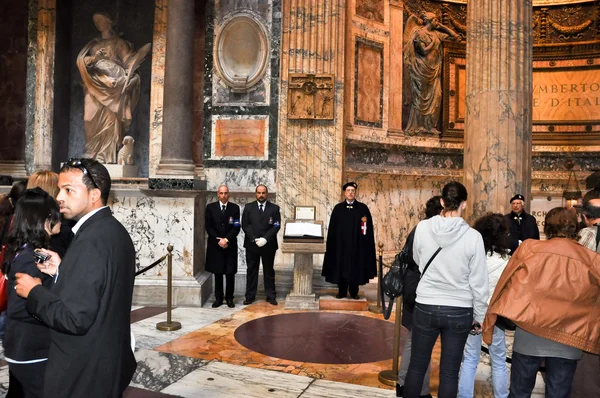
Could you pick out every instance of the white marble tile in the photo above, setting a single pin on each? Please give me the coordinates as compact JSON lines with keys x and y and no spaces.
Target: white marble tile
{"x":219,"y":379}
{"x":3,"y":380}
{"x":191,"y":319}
{"x":333,"y":389}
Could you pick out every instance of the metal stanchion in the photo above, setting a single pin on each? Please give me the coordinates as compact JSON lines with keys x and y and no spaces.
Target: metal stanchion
{"x":377,"y":308}
{"x":168,"y":325}
{"x":390,"y":377}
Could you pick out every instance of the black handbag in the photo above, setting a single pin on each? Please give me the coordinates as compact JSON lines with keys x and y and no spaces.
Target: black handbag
{"x":392,"y":284}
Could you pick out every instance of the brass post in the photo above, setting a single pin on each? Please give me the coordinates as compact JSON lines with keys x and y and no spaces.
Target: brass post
{"x":377,"y":308}
{"x":168,"y":325}
{"x":390,"y":377}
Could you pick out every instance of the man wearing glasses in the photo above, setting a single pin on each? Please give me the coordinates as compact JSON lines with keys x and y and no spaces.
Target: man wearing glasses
{"x":87,"y":308}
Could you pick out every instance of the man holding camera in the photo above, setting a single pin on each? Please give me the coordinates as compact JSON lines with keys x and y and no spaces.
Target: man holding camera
{"x":88,"y":307}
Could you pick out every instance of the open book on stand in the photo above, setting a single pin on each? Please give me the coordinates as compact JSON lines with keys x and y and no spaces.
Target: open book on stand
{"x":303,"y":231}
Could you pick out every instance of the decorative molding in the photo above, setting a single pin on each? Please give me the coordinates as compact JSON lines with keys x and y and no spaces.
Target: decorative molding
{"x":368,"y":77}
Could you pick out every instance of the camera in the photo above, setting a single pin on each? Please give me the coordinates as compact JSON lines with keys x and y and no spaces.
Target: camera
{"x":40,"y":257}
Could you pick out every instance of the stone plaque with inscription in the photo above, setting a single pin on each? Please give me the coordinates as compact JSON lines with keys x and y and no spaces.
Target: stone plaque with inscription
{"x":311,"y":96}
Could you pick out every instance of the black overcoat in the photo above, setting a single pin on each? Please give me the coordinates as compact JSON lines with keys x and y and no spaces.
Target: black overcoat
{"x":525,"y":228}
{"x":350,"y":255}
{"x":222,"y":225}
{"x":88,"y":312}
{"x":257,"y":224}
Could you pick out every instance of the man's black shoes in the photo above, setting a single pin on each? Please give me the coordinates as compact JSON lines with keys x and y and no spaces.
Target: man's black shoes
{"x":248,"y":301}
{"x":340,"y":296}
{"x":272,"y":301}
{"x":217,"y":303}
{"x":230,"y":303}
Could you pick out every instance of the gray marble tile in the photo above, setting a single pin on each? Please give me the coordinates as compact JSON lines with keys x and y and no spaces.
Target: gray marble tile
{"x":219,"y":379}
{"x":157,"y":370}
{"x":3,"y":380}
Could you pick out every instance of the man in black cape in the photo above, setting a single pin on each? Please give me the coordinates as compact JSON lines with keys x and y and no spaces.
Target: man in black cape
{"x":522,"y":225}
{"x":350,"y":250}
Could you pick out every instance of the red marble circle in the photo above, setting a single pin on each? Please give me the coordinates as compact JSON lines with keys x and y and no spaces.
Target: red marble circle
{"x":319,"y":337}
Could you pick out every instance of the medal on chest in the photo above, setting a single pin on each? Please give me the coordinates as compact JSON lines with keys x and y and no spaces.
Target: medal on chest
{"x":363,"y":225}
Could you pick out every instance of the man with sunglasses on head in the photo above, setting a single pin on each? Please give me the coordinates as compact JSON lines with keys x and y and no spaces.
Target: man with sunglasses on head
{"x":87,"y":308}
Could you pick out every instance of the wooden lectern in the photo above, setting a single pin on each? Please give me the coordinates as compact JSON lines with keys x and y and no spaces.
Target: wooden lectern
{"x":302,"y":296}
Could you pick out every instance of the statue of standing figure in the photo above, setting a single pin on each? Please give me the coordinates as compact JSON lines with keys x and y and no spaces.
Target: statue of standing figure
{"x":423,"y":61}
{"x":108,"y":67}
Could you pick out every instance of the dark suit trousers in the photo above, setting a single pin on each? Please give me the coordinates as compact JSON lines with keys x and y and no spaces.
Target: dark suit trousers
{"x":26,"y":380}
{"x":230,"y":287}
{"x":253,"y":262}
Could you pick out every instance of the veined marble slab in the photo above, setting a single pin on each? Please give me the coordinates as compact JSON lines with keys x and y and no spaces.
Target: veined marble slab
{"x":218,"y":379}
{"x":157,"y":370}
{"x":148,"y":337}
{"x":334,"y":389}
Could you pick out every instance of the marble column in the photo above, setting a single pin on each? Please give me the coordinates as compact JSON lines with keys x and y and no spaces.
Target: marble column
{"x":44,"y":87}
{"x":178,"y":116}
{"x":497,"y":154}
{"x":309,"y":152}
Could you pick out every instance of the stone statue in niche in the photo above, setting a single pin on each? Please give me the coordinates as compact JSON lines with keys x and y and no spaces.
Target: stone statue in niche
{"x":423,"y":63}
{"x":111,"y":83}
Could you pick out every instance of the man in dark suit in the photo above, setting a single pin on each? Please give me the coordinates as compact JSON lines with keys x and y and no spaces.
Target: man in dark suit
{"x":87,"y":308}
{"x":222,"y":221}
{"x":522,"y":225}
{"x":261,"y":221}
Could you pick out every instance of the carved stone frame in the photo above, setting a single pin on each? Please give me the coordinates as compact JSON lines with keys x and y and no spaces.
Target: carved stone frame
{"x":240,"y":84}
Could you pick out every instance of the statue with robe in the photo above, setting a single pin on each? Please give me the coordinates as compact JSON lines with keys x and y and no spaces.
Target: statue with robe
{"x":108,"y":67}
{"x":423,"y":64}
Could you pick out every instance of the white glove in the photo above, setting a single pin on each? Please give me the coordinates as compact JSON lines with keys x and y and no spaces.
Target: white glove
{"x":260,"y":242}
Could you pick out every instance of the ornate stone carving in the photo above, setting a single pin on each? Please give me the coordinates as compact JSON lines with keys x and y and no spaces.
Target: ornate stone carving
{"x":108,"y":67}
{"x":241,"y":51}
{"x":125,"y":155}
{"x":311,"y":96}
{"x":370,"y":9}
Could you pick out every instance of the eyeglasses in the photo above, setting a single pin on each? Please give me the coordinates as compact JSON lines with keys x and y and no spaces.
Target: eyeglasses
{"x":76,"y":162}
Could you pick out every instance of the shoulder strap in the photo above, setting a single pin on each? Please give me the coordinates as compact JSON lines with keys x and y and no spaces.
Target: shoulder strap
{"x":430,"y":260}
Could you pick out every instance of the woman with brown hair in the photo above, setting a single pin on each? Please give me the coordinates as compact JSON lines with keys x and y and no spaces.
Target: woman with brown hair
{"x":550,"y":290}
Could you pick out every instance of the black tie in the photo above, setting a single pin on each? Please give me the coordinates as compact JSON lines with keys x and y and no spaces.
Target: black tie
{"x":223,"y":209}
{"x":260,"y":207}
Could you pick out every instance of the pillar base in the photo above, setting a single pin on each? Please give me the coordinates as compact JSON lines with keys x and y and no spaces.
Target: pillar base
{"x":15,"y":169}
{"x":180,"y":169}
{"x":301,"y":302}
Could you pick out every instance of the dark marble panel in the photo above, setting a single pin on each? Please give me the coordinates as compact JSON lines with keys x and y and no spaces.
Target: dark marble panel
{"x":134,"y":22}
{"x":396,"y":155}
{"x":319,"y":337}
{"x":13,"y":77}
{"x":145,"y":312}
{"x":260,"y":8}
{"x":555,"y":161}
{"x":171,"y":183}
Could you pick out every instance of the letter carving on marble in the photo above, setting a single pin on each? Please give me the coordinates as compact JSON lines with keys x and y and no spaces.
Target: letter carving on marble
{"x":111,"y":83}
{"x":311,"y":96}
{"x":423,"y":67}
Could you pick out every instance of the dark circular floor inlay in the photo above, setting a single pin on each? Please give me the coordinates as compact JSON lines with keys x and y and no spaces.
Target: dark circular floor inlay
{"x":319,"y":337}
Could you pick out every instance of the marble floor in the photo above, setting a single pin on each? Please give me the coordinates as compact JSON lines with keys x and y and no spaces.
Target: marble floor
{"x":204,"y":359}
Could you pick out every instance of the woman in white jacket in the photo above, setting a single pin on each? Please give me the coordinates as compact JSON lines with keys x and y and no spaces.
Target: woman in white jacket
{"x":494,"y":230}
{"x":452,"y":293}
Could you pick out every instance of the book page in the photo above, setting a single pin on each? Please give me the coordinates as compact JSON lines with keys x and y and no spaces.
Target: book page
{"x":303,"y":229}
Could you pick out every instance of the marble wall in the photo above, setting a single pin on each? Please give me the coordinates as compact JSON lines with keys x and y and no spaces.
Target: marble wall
{"x":239,"y":129}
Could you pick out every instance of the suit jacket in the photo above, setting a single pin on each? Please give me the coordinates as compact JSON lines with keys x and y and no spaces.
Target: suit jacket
{"x":88,"y":312}
{"x":257,"y":224}
{"x":222,"y":225}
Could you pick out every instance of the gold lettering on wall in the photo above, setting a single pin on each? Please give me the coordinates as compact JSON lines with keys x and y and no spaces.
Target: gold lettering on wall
{"x":566,"y":95}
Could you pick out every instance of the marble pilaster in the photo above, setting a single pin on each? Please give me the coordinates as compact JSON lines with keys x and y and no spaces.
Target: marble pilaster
{"x":309,"y":157}
{"x":176,"y":150}
{"x":157,"y":85}
{"x":44,"y":91}
{"x":497,"y":156}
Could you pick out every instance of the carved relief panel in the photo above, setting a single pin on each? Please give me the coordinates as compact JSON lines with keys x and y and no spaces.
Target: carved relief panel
{"x":311,"y":96}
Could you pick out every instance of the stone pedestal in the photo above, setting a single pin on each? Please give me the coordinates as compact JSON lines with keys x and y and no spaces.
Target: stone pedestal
{"x":117,"y":171}
{"x":497,"y":159}
{"x":302,"y":296}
